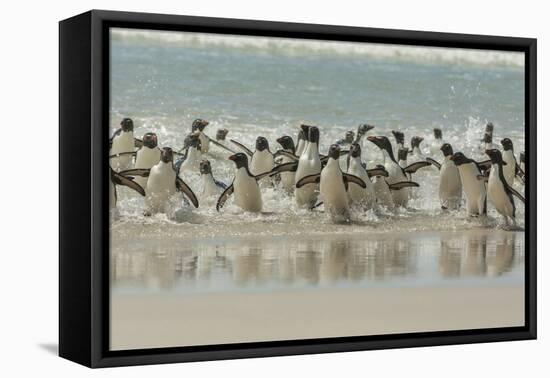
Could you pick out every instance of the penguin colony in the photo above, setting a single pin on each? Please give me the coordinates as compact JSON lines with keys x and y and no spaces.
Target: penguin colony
{"x":335,"y":182}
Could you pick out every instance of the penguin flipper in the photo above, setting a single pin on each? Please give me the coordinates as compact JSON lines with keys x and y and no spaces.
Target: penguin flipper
{"x":183,"y":187}
{"x":224,"y":196}
{"x":316,"y":205}
{"x":135,"y":172}
{"x":377,"y":172}
{"x":289,"y":155}
{"x":516,"y":193}
{"x":119,"y":179}
{"x":242,"y":147}
{"x":403,"y":184}
{"x":138,"y":143}
{"x":311,"y":179}
{"x":412,"y":168}
{"x":434,"y":162}
{"x":520,"y":174}
{"x":286,"y":167}
{"x":354,"y":179}
{"x":221,"y":145}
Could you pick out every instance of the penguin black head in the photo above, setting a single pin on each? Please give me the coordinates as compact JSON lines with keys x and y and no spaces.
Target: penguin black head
{"x":350,"y":135}
{"x":194,"y":141}
{"x":447,"y":149}
{"x":355,"y":150}
{"x":363,"y":129}
{"x":221,"y":134}
{"x":199,"y":124}
{"x":488,"y":138}
{"x":522,"y":157}
{"x":399,"y":136}
{"x":301,"y":135}
{"x":150,"y":140}
{"x":489,"y":128}
{"x":495,"y":156}
{"x":438,"y":134}
{"x":334,"y":152}
{"x":402,"y":153}
{"x":240,"y":160}
{"x":313,"y":135}
{"x":166,"y":155}
{"x":459,"y":159}
{"x":305,"y":130}
{"x":261,"y":144}
{"x":205,"y":167}
{"x":127,"y":125}
{"x":286,"y":142}
{"x":415,"y":141}
{"x":507,"y":144}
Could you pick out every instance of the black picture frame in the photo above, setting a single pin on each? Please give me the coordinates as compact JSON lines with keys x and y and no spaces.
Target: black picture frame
{"x":83,"y":208}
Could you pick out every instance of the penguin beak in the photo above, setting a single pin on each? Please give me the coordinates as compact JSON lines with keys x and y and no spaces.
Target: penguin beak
{"x":232,"y":157}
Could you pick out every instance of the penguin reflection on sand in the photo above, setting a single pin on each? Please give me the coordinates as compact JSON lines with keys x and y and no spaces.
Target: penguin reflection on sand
{"x":163,"y":183}
{"x":499,"y":192}
{"x":119,"y":179}
{"x":397,"y":176}
{"x":333,"y":185}
{"x":474,"y":188}
{"x":244,"y":187}
{"x":122,"y":143}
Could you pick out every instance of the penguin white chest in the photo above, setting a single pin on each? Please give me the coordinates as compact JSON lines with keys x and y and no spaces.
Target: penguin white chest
{"x":509,"y":170}
{"x":161,"y":185}
{"x":124,"y":142}
{"x":356,"y":193}
{"x":205,"y":142}
{"x":309,"y":164}
{"x":473,"y":188}
{"x":247,"y":192}
{"x":146,"y":158}
{"x":209,"y":187}
{"x":191,"y":163}
{"x":332,"y":189}
{"x":395,"y":174}
{"x":262,"y":161}
{"x":450,"y":185}
{"x":287,"y":178}
{"x":497,"y":193}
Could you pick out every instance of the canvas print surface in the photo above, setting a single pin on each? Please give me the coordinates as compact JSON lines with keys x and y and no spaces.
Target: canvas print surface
{"x":278,"y":189}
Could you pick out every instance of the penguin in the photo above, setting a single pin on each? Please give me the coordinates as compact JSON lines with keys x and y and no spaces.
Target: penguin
{"x":119,"y":179}
{"x":362,"y":130}
{"x":147,"y":156}
{"x":402,"y":155}
{"x":512,"y":169}
{"x":399,"y":139}
{"x":365,"y":197}
{"x":308,"y":164}
{"x":210,"y":186}
{"x":488,"y":142}
{"x":287,"y":178}
{"x":189,"y":162}
{"x":219,"y":141}
{"x":450,"y":185}
{"x":333,"y":185}
{"x":262,"y":159}
{"x":244,"y":186}
{"x":348,"y":139}
{"x":474,"y":188}
{"x":122,"y":145}
{"x":163,"y":182}
{"x":417,"y":154}
{"x":301,"y":144}
{"x":437,"y":142}
{"x":500,"y":194}
{"x":396,"y":174}
{"x":197,"y":127}
{"x":221,"y":134}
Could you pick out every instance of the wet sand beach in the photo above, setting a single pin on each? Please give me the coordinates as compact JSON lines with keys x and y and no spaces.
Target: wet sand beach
{"x":177,"y":291}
